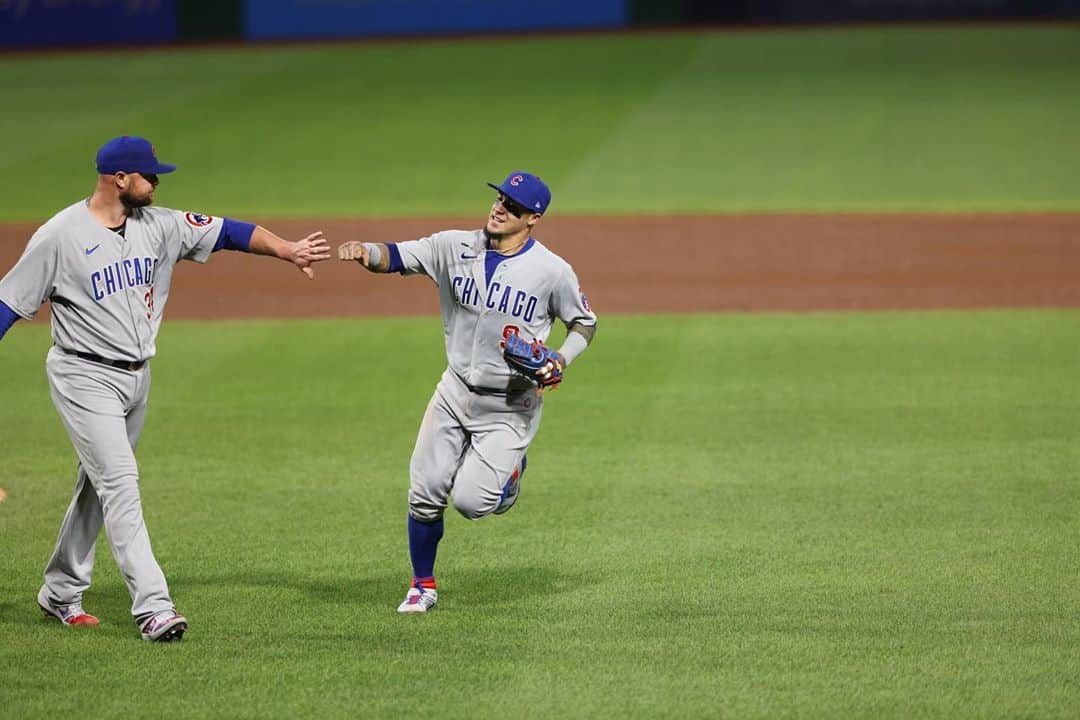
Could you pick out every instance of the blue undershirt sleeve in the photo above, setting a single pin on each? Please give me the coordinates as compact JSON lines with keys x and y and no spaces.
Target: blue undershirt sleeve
{"x":7,"y":318}
{"x":234,"y":235}
{"x":395,"y":259}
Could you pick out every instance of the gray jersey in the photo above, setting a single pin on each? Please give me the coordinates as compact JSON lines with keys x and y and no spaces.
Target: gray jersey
{"x":483,"y":293}
{"x":108,"y":291}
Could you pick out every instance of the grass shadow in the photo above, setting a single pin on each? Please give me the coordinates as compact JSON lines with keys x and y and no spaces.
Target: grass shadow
{"x":482,"y":585}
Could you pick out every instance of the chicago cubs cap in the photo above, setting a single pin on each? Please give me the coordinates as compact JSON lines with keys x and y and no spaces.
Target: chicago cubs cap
{"x":525,"y":189}
{"x":130,"y":154}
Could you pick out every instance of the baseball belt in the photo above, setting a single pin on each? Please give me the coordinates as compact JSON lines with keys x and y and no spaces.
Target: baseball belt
{"x":122,"y":364}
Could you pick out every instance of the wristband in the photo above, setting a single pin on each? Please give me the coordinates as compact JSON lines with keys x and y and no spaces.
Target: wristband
{"x":573,"y":346}
{"x":374,"y":254}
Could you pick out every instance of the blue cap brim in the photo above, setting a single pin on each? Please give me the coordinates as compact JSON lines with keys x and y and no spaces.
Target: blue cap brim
{"x":508,"y":193}
{"x":157,"y":169}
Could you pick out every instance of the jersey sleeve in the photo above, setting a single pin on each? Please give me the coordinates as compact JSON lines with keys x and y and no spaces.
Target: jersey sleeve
{"x":192,"y":235}
{"x":568,"y":302}
{"x":425,"y":256}
{"x":33,"y":279}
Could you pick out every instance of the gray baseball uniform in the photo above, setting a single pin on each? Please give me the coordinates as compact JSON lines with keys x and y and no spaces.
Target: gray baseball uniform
{"x":108,"y":292}
{"x":482,"y":417}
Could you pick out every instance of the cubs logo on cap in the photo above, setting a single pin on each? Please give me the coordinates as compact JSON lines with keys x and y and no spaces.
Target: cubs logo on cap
{"x":525,"y":189}
{"x":198,"y":219}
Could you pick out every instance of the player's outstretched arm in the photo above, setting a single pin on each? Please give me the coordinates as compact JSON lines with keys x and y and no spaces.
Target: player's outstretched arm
{"x":373,"y":256}
{"x":302,"y":253}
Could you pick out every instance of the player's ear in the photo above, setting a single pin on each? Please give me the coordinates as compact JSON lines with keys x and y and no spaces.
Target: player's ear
{"x":534,"y":219}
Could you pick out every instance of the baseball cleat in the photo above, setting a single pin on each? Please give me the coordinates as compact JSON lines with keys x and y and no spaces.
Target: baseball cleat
{"x":419,"y":600}
{"x":72,"y":614}
{"x":511,"y":489}
{"x":164,"y":626}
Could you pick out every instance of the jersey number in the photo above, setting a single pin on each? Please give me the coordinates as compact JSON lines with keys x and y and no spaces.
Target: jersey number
{"x":149,"y":298}
{"x":508,"y":330}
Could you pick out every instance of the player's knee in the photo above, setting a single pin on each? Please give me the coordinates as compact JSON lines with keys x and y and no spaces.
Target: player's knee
{"x":116,"y":484}
{"x":474,"y":505}
{"x":121,"y":504}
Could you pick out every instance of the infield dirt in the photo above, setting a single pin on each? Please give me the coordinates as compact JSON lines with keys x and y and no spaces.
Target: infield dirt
{"x":678,"y":264}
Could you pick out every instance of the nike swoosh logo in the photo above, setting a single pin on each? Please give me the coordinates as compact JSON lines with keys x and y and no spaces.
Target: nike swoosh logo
{"x":90,"y":251}
{"x":468,"y":257}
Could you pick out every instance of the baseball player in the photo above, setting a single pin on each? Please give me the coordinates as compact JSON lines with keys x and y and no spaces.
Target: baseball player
{"x":493,"y":283}
{"x":106,"y":264}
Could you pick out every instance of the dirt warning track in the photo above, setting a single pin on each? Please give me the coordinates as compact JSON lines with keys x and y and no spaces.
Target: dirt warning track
{"x":678,"y":264}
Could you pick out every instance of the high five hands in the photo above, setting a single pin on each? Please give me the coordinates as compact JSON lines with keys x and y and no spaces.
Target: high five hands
{"x":354,"y":250}
{"x":312,"y":249}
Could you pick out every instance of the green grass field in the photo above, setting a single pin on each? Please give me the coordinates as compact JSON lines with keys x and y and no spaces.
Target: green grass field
{"x":868,"y":515}
{"x":909,"y":119}
{"x":761,"y":515}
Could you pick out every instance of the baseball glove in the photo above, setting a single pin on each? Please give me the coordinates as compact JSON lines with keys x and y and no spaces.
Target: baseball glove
{"x":534,"y":360}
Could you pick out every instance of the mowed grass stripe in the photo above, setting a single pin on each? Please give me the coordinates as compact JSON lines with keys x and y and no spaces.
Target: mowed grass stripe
{"x":876,"y":119}
{"x":372,"y":130}
{"x":898,"y":119}
{"x":748,"y":515}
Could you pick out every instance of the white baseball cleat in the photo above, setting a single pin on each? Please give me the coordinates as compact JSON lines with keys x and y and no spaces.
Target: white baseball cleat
{"x":72,"y":614}
{"x":419,"y":600}
{"x":164,"y":626}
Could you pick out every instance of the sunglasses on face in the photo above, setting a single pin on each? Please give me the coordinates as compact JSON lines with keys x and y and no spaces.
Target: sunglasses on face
{"x":514,"y":208}
{"x":149,"y":177}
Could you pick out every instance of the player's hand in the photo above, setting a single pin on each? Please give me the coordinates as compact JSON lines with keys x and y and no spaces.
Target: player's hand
{"x":353,"y":250}
{"x":309,"y":251}
{"x":550,"y":374}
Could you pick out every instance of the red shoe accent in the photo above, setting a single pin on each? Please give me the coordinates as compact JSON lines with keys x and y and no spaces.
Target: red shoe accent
{"x":84,"y":619}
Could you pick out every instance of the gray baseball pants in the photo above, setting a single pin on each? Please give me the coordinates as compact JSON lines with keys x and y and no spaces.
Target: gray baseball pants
{"x":103,"y":409}
{"x":469,"y":444}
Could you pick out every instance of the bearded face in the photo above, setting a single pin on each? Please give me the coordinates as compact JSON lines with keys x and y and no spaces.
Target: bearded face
{"x":138,"y":190}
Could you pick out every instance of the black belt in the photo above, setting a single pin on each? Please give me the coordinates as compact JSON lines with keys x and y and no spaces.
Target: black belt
{"x":122,"y":364}
{"x":510,"y":389}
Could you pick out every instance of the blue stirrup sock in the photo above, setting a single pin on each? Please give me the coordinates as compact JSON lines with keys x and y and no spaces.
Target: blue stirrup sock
{"x":423,"y":542}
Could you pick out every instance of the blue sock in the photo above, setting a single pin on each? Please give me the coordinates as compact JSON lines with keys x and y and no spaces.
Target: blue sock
{"x":423,"y":542}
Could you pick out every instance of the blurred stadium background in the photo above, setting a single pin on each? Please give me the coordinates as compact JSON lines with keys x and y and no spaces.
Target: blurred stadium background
{"x":728,"y":514}
{"x":64,"y":23}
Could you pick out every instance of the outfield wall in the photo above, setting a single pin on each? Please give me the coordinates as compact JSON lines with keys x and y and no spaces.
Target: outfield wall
{"x":55,"y":23}
{"x":72,"y":23}
{"x":833,"y":11}
{"x":275,"y":19}
{"x":67,"y":23}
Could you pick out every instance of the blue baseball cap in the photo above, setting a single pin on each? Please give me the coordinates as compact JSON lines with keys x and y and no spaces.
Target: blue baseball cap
{"x":525,"y":189}
{"x":130,"y":154}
